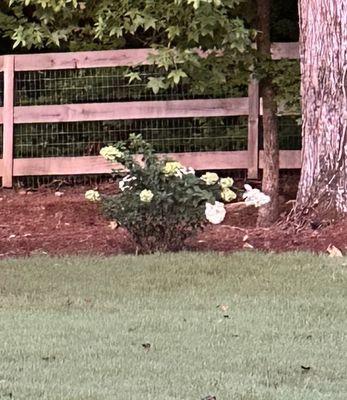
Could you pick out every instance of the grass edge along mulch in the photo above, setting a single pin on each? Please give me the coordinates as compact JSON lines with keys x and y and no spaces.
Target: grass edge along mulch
{"x":246,"y":326}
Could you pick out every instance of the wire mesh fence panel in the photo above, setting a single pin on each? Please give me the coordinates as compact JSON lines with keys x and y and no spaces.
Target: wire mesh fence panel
{"x":166,"y":135}
{"x":104,"y":85}
{"x":289,"y":131}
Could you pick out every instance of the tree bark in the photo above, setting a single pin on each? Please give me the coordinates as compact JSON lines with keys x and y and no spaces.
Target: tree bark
{"x":269,"y":213}
{"x":322,"y":194}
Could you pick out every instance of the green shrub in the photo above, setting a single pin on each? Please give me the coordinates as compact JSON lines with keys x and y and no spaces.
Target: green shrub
{"x":161,"y":202}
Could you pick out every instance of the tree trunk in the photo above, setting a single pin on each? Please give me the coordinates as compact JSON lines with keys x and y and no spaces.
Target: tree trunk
{"x":322,"y":194}
{"x":268,"y":214}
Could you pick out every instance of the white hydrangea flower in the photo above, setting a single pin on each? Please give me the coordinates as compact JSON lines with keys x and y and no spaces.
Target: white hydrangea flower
{"x":210,"y":178}
{"x":146,"y":196}
{"x":110,"y":153}
{"x":254,"y":197}
{"x":92,"y":195}
{"x":184,"y":171}
{"x":124,"y":183}
{"x":215,"y":213}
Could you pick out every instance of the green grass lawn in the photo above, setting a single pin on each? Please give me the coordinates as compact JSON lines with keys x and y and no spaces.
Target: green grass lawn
{"x":73,"y":328}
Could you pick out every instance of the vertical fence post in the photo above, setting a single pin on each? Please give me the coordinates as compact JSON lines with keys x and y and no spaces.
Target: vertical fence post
{"x":253,"y":129}
{"x":8,"y":121}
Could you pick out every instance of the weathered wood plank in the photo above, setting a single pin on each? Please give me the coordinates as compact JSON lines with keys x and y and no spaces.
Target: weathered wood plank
{"x":8,"y":121}
{"x":83,"y":59}
{"x":97,"y":164}
{"x":285,"y":50}
{"x":113,"y":58}
{"x":213,"y":160}
{"x":289,"y":159}
{"x":253,"y":129}
{"x":61,"y":166}
{"x":133,"y":110}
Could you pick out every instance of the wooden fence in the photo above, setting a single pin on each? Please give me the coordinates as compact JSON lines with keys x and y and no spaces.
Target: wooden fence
{"x":250,"y":159}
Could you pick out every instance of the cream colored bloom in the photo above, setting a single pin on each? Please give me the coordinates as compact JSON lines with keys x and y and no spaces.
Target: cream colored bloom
{"x":92,"y":195}
{"x":188,"y":170}
{"x":146,"y":196}
{"x":210,"y":178}
{"x":125,"y":182}
{"x":254,"y":197}
{"x":228,"y":195}
{"x":184,"y":171}
{"x":171,"y":167}
{"x":111,"y":153}
{"x":226,"y":182}
{"x":215,"y":213}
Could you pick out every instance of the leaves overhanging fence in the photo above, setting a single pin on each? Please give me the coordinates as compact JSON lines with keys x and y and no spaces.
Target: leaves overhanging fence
{"x":173,"y":128}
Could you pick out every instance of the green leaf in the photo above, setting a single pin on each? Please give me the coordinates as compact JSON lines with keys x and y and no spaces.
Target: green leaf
{"x":133,"y":76}
{"x":173,"y":31}
{"x":149,"y":22}
{"x":156,"y":84}
{"x":176,"y":75}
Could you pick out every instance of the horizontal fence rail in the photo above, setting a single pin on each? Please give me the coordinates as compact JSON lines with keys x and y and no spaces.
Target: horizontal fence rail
{"x":97,"y":165}
{"x":134,"y":110}
{"x":10,"y":115}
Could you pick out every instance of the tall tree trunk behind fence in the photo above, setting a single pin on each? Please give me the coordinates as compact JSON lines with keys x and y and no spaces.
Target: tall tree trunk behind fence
{"x":268,"y":214}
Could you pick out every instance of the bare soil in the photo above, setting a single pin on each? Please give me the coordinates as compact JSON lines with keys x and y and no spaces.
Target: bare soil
{"x":40,"y":222}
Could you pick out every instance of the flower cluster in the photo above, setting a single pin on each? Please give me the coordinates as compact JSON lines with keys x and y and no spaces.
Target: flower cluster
{"x":161,"y":202}
{"x":254,"y":197}
{"x":174,"y":168}
{"x":111,"y":153}
{"x":171,"y":167}
{"x":92,"y":195}
{"x":210,"y":178}
{"x":125,"y":182}
{"x":215,"y":213}
{"x":146,"y":196}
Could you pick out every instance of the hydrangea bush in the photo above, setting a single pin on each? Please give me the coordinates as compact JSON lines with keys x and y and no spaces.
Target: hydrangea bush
{"x":162,"y":202}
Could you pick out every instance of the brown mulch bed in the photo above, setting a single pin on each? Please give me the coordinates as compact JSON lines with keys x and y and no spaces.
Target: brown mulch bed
{"x":42,"y":223}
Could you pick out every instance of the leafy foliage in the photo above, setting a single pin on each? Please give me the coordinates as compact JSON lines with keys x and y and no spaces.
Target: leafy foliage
{"x":285,"y":77}
{"x":180,"y":30}
{"x":161,"y":203}
{"x":207,"y":43}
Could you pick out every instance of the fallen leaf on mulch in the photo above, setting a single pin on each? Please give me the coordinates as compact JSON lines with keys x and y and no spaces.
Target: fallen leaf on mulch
{"x":334,"y":251}
{"x":248,"y":246}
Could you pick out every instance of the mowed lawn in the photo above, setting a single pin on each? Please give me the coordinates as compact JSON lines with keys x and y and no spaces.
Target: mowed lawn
{"x":180,"y":326}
